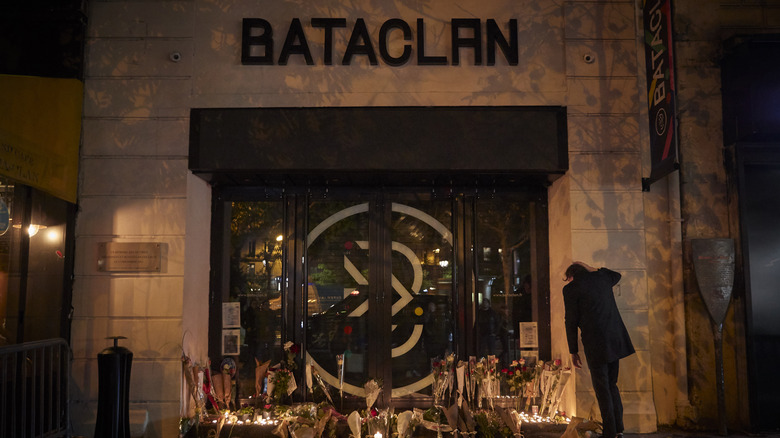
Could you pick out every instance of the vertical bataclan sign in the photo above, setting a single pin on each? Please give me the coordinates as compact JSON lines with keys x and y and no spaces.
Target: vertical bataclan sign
{"x":657,"y":18}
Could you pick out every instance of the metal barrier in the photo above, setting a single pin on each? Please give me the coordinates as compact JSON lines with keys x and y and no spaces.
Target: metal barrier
{"x":34,"y":389}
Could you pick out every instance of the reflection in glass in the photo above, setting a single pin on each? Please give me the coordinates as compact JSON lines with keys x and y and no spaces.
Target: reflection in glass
{"x":255,"y":282}
{"x":28,"y":277}
{"x":422,"y":261}
{"x":505,"y":295}
{"x":338,"y":257}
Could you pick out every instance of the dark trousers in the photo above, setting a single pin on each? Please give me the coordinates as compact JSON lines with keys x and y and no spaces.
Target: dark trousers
{"x":607,"y":394}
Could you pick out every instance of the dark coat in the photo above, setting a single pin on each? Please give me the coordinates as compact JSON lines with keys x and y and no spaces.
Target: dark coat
{"x":590,"y":306}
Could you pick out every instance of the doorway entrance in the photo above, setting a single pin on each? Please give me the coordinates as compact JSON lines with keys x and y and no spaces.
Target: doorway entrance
{"x":375,"y":284}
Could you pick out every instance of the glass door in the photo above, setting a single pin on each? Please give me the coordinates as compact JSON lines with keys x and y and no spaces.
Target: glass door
{"x":379,"y":292}
{"x":422,"y":263}
{"x":377,"y":286}
{"x":338,"y":296}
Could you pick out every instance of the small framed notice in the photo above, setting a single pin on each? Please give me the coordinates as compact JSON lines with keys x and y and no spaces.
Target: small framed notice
{"x":231,"y":342}
{"x":530,"y":356}
{"x":528,"y":335}
{"x":231,"y":315}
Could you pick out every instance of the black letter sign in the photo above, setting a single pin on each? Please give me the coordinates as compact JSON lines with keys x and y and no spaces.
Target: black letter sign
{"x":359,"y":32}
{"x":302,"y":48}
{"x":395,"y":23}
{"x":475,"y":41}
{"x":328,"y":24}
{"x":496,"y":38}
{"x":264,"y":40}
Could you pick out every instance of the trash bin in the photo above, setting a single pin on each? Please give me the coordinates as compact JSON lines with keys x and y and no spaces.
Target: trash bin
{"x":113,"y":391}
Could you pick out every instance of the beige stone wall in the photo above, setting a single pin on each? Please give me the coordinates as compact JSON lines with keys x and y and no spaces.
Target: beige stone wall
{"x":135,"y":186}
{"x":709,"y":209}
{"x":607,"y":210}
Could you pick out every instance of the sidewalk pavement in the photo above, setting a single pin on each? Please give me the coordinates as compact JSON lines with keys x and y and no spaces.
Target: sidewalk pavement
{"x":530,"y":431}
{"x":666,"y":432}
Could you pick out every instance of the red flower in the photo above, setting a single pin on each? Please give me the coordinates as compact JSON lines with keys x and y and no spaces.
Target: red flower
{"x":504,"y":370}
{"x":374,"y":412}
{"x":295,"y":349}
{"x":510,"y":373}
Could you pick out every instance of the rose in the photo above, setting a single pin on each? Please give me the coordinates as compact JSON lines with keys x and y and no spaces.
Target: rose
{"x":557,"y":362}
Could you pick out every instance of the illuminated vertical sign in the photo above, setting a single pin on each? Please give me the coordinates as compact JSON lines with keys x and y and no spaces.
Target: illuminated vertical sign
{"x":657,"y":18}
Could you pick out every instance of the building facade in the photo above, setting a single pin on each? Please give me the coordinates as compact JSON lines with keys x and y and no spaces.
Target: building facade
{"x":165,"y":151}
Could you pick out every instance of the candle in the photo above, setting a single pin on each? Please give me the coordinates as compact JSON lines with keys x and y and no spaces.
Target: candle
{"x":378,"y":435}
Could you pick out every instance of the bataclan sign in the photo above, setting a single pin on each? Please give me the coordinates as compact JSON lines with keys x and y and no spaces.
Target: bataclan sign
{"x":257,"y":42}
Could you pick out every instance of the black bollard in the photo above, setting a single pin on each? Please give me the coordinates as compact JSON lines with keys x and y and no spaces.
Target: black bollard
{"x":113,"y":391}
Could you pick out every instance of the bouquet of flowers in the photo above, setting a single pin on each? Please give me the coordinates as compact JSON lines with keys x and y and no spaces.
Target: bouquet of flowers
{"x":518,"y":376}
{"x":553,"y":381}
{"x":442,"y":371}
{"x":486,"y":369}
{"x":472,"y":380}
{"x":521,"y":380}
{"x":291,"y":350}
{"x":281,"y":383}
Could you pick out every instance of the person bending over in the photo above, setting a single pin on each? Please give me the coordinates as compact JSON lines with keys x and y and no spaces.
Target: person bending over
{"x":590,"y":307}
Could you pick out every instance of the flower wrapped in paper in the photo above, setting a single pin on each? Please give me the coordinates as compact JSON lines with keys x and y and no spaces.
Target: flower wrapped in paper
{"x":193,"y":375}
{"x":321,"y":383}
{"x":460,"y":372}
{"x":488,"y":382}
{"x":472,"y":380}
{"x":442,"y":372}
{"x":281,"y":384}
{"x":291,"y":350}
{"x":552,"y":383}
{"x":354,"y":421}
{"x":404,"y":425}
{"x":372,"y":388}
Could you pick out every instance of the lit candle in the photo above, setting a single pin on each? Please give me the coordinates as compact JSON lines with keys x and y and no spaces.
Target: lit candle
{"x":378,"y":435}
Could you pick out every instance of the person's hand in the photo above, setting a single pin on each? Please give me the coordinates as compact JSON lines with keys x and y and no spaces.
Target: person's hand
{"x":575,"y":360}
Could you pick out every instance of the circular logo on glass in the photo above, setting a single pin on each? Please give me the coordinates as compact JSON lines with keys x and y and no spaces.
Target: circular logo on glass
{"x":329,"y":353}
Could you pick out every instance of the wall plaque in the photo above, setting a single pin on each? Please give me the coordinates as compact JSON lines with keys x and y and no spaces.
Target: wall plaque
{"x":129,"y":257}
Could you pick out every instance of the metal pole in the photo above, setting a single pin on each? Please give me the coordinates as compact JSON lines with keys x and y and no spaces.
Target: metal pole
{"x":722,"y":427}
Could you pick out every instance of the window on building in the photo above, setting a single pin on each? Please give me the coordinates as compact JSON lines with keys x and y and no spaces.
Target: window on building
{"x":34,"y":266}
